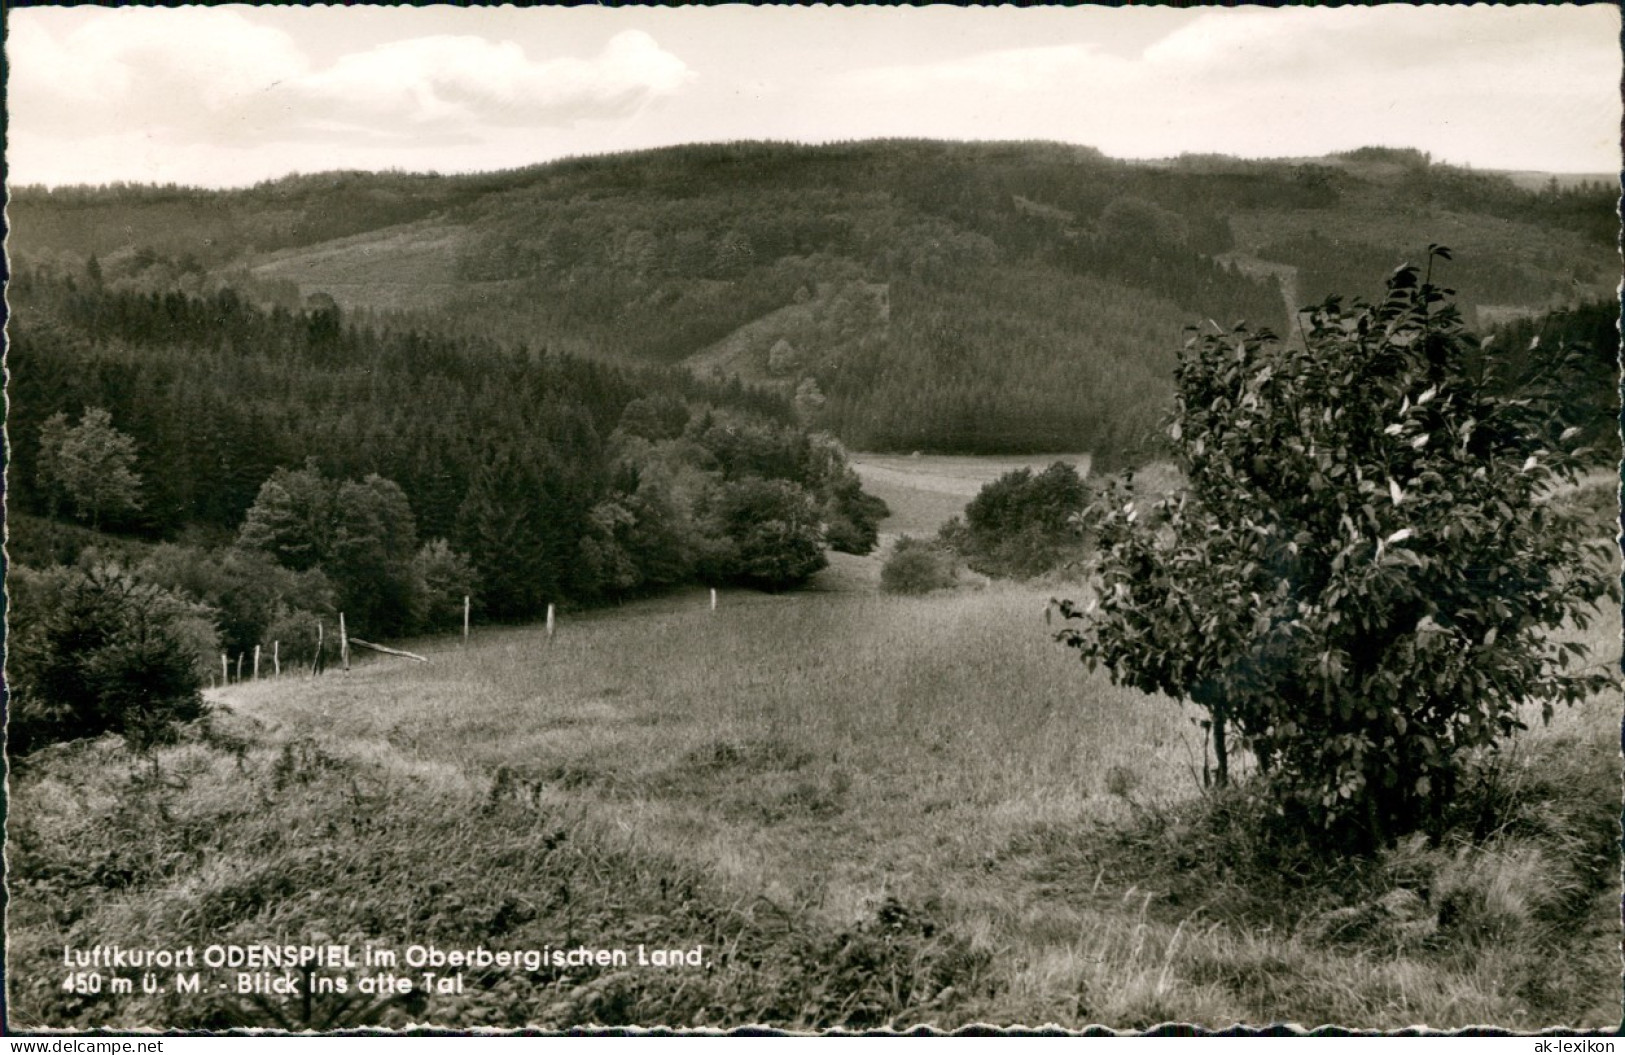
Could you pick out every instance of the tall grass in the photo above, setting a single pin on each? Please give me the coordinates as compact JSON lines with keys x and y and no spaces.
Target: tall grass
{"x":875,"y":809}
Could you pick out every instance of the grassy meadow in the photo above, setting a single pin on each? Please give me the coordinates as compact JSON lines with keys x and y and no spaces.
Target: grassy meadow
{"x":870,"y":810}
{"x":924,"y":490}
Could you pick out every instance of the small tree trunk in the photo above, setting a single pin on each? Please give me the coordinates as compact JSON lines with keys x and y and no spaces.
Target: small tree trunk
{"x":1443,"y":790}
{"x":1207,"y":770}
{"x":1375,"y":834}
{"x":1221,"y":750}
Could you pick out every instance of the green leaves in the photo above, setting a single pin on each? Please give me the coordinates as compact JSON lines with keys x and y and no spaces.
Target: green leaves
{"x":92,"y":465}
{"x":1362,"y":595}
{"x":94,"y":651}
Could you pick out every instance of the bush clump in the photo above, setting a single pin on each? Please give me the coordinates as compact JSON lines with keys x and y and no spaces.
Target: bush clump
{"x":93,"y":651}
{"x":917,"y":566}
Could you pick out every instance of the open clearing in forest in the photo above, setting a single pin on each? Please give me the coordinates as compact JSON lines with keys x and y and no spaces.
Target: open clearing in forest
{"x":925,"y":490}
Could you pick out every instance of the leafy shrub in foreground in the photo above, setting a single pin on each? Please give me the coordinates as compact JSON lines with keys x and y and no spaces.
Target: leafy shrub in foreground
{"x":1021,"y":525}
{"x":1365,"y":579}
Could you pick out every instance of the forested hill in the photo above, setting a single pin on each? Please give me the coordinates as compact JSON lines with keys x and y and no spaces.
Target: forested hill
{"x":901,"y":294}
{"x":205,"y":421}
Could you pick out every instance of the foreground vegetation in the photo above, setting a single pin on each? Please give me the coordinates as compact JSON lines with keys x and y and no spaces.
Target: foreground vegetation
{"x":893,"y":838}
{"x":1361,"y":582}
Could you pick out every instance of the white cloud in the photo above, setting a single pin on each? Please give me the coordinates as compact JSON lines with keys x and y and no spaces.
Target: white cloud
{"x":169,"y":71}
{"x":1531,"y":86}
{"x":189,"y":93}
{"x":447,"y":79}
{"x":202,"y":75}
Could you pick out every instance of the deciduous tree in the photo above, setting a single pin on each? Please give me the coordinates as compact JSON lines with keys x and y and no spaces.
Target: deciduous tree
{"x":771,"y":533}
{"x":292,"y":518}
{"x":1365,"y":582}
{"x":374,"y":544}
{"x":91,"y":465}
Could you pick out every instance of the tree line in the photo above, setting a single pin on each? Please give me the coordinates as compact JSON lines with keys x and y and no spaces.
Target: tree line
{"x":656,"y":256}
{"x":282,"y":466}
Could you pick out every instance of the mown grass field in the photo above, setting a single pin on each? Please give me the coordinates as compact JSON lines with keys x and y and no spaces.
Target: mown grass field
{"x":398,"y":268}
{"x":871,"y":811}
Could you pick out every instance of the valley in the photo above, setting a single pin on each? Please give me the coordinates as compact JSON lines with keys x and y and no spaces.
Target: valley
{"x":650,"y":426}
{"x":923,"y":491}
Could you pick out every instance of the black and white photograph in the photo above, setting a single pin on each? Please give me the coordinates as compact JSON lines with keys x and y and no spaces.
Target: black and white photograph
{"x":819,"y":519}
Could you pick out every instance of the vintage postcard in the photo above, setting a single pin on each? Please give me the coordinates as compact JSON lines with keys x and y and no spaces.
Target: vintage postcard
{"x":818,"y":518}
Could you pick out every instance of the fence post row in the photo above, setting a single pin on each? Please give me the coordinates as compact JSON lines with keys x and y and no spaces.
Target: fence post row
{"x":345,"y":641}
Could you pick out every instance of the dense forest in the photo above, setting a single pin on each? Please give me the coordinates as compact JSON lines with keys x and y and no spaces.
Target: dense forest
{"x":235,"y":414}
{"x":276,"y":467}
{"x":902,"y":295}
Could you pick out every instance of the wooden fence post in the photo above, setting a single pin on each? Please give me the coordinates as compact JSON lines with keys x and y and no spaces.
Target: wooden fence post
{"x":549,"y":621}
{"x":256,"y":663}
{"x":276,"y":659}
{"x":239,"y":666}
{"x":465,"y":620}
{"x":713,"y":598}
{"x":344,"y":643}
{"x":358,"y":643}
{"x":225,"y":671}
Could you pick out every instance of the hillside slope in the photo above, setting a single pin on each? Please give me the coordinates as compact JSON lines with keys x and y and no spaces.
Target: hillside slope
{"x":954,"y":297}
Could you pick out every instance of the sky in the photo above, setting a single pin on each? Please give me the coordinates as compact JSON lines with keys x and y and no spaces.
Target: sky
{"x":231,"y":95}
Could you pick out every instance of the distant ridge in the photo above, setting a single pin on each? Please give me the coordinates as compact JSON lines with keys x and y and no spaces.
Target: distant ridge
{"x":1035,"y":292}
